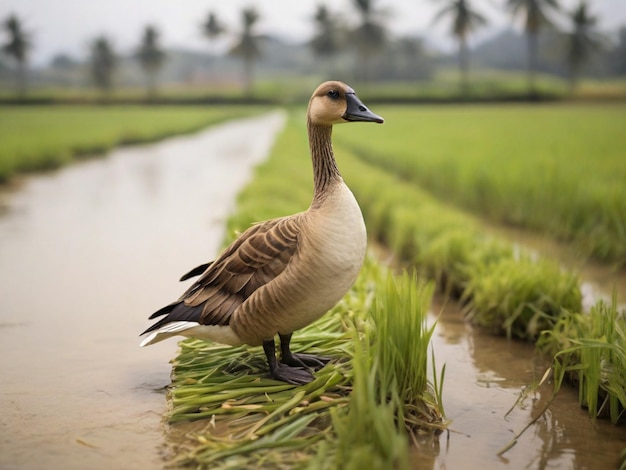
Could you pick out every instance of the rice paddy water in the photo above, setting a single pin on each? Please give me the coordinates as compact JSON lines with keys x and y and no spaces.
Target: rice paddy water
{"x":86,"y":254}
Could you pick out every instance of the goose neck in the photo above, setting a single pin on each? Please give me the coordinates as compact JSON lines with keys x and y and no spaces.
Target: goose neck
{"x":325,"y":171}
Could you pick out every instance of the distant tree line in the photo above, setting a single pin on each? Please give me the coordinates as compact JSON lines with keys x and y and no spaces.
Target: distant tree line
{"x":365,"y":41}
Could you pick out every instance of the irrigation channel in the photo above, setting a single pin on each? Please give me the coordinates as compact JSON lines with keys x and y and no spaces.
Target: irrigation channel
{"x":89,"y":251}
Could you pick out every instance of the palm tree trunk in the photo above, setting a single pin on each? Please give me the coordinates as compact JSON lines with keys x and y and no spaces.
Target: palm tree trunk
{"x":248,"y":71}
{"x":532,"y":62}
{"x":151,"y":85}
{"x":573,"y":78}
{"x":463,"y":66}
{"x":22,"y":80}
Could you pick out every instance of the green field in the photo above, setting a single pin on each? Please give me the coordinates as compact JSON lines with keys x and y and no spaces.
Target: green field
{"x":44,"y":137}
{"x":558,"y":169}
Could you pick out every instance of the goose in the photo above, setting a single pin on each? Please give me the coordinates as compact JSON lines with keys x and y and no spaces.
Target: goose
{"x":282,"y":274}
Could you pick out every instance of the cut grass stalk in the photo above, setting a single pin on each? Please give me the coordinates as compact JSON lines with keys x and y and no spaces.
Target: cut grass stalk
{"x":254,"y":415}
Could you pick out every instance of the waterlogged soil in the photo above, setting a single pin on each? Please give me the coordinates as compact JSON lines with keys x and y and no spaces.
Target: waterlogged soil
{"x":88,"y":252}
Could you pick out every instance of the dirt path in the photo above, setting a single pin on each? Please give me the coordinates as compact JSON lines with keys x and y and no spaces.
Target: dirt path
{"x":86,"y":254}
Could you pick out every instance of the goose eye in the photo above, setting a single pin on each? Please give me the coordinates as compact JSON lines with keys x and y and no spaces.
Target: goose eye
{"x":334,"y":94}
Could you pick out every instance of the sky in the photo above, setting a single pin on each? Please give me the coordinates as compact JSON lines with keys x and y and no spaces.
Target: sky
{"x":67,"y":26}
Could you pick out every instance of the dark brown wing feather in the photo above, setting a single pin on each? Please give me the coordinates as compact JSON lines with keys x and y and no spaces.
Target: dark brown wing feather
{"x":195,"y":271}
{"x":255,"y":258}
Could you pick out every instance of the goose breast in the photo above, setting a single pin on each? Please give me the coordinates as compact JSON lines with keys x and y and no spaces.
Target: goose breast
{"x":331,"y":250}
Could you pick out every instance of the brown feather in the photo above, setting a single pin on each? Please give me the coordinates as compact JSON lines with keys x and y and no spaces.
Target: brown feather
{"x":257,"y":257}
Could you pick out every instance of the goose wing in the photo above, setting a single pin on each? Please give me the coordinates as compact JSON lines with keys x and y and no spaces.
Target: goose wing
{"x":258,"y":256}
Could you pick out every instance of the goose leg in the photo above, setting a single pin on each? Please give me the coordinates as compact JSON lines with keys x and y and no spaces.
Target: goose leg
{"x":284,"y":372}
{"x":299,"y":360}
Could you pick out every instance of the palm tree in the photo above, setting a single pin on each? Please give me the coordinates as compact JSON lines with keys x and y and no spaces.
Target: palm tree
{"x":151,"y":57}
{"x":464,"y":21}
{"x":536,"y":18}
{"x":617,"y":57}
{"x":582,"y":41}
{"x":18,"y":47}
{"x":103,"y":63}
{"x":247,"y":48}
{"x":327,"y":40}
{"x":369,"y":36}
{"x":212,"y":28}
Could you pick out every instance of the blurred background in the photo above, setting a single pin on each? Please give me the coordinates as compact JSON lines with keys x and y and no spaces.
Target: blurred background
{"x":241,"y":50}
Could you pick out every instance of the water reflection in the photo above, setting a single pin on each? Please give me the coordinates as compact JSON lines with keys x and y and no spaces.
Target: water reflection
{"x":484,"y":377}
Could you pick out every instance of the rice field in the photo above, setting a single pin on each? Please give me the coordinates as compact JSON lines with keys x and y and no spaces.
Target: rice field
{"x":557,"y":169}
{"x":44,"y":137}
{"x":410,"y":176}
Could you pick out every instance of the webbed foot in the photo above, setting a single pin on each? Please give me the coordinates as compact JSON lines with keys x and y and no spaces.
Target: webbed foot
{"x":292,"y":375}
{"x":287,"y":373}
{"x":304,"y":360}
{"x":298,"y":359}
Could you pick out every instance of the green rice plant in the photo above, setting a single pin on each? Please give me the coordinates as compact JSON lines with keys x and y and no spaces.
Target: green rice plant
{"x":556,"y":169}
{"x":368,"y":435}
{"x":400,"y":339}
{"x":590,"y":349}
{"x":521,"y":297}
{"x":45,"y":137}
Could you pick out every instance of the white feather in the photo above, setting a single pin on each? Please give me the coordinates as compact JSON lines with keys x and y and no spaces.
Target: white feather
{"x":219,"y":334}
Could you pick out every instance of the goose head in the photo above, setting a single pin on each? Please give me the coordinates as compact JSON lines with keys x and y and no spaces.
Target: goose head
{"x":335,"y":102}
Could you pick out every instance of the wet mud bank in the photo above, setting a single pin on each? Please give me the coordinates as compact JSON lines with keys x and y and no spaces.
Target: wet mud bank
{"x":86,"y":254}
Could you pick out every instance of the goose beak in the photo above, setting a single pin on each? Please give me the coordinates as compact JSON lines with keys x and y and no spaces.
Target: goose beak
{"x":357,"y":111}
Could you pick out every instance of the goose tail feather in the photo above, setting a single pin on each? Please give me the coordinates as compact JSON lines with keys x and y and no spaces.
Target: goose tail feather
{"x":168,"y":330}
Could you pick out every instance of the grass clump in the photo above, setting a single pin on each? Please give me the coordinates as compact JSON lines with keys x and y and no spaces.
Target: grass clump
{"x":45,"y":137}
{"x":251,"y":418}
{"x":368,"y":435}
{"x":590,"y":350}
{"x":399,"y":347}
{"x":521,"y":297}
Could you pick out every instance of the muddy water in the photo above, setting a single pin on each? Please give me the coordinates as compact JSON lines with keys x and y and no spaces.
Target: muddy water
{"x":483,"y":378}
{"x":86,"y":254}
